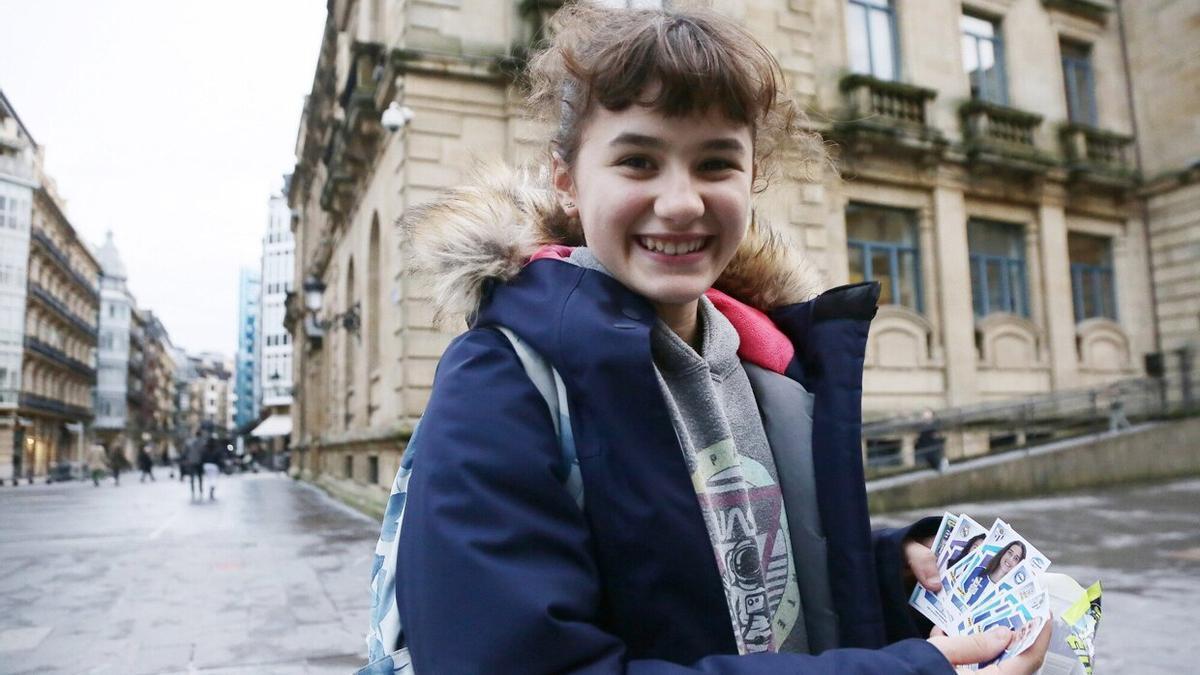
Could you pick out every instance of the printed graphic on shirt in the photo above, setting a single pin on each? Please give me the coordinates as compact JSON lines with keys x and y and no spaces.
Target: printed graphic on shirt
{"x":743,"y":511}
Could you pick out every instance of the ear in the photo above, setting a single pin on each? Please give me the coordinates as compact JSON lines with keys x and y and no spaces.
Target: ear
{"x":564,"y":186}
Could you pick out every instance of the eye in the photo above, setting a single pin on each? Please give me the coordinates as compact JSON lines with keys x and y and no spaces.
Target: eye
{"x":717,"y":164}
{"x":639,"y":162}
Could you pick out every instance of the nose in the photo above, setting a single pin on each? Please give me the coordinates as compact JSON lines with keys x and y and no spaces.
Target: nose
{"x":679,"y":202}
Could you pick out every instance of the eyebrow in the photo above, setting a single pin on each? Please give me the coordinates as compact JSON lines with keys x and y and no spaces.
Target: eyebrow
{"x":653,"y":142}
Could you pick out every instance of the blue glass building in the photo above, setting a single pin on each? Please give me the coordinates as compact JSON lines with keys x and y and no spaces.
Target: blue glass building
{"x":246,"y":387}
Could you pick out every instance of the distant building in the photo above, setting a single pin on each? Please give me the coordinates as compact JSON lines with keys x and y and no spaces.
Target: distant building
{"x":278,"y":260}
{"x":247,"y":385}
{"x":48,"y":304}
{"x":158,"y":426}
{"x":211,"y":393}
{"x":17,"y":183}
{"x":275,"y":340}
{"x":116,"y":319}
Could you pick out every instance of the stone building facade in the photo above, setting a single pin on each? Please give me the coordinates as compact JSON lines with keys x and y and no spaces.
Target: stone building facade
{"x":987,"y":180}
{"x":58,"y":366}
{"x":1164,"y":53}
{"x":158,"y":385}
{"x":17,"y":183}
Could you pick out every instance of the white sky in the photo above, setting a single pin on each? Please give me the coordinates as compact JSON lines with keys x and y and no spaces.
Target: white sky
{"x":169,"y":122}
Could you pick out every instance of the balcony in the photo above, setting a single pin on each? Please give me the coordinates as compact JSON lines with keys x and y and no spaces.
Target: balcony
{"x":889,"y":113}
{"x":17,"y":167}
{"x":64,"y":262}
{"x":1084,"y":9}
{"x":1097,"y":156}
{"x":42,"y":404}
{"x":1002,"y":137}
{"x":58,"y":356}
{"x":42,"y":295}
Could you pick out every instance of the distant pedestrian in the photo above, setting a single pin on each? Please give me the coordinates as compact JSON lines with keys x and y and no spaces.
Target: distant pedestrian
{"x":145,"y":465}
{"x":97,"y":462}
{"x":117,"y":463}
{"x":1116,"y":412}
{"x":193,"y":460}
{"x":211,"y":468}
{"x":930,"y":446}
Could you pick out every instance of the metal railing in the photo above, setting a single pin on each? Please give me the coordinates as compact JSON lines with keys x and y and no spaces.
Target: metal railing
{"x":914,"y":440}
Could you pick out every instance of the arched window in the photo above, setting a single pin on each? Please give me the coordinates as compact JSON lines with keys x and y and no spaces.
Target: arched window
{"x":373,"y":307}
{"x":350,"y":347}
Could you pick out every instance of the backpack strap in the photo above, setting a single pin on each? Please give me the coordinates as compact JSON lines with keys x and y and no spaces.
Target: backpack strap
{"x":550,"y":385}
{"x":385,"y":636}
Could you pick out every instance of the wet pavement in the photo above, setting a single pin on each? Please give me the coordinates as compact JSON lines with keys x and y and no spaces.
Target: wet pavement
{"x":272,"y":577}
{"x":1142,"y":543}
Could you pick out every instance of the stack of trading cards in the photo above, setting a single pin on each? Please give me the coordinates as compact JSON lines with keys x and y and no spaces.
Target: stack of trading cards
{"x":989,"y":578}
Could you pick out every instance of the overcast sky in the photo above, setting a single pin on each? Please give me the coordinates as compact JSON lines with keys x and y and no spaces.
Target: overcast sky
{"x":169,"y":122}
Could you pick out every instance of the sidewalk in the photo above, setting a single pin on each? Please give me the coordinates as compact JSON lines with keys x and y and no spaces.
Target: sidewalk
{"x":269,"y":578}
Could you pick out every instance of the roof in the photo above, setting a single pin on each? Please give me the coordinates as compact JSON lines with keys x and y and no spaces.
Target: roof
{"x":110,"y":259}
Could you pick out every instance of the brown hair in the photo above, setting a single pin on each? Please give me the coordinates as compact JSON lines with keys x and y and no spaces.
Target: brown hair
{"x":688,"y":62}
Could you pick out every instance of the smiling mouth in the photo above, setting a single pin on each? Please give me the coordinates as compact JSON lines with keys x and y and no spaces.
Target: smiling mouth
{"x":672,"y":247}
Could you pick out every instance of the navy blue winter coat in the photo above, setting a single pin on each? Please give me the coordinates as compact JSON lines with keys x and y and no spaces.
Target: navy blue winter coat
{"x":500,"y":572}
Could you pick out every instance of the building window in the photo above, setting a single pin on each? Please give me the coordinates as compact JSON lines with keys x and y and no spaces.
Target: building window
{"x":1079,"y":82}
{"x":348,"y":465}
{"x":997,"y":256}
{"x":1092,"y":284}
{"x":373,"y":470}
{"x":983,"y":58}
{"x":883,"y":247}
{"x":871,"y":37}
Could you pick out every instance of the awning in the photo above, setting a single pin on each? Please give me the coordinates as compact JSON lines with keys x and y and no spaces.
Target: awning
{"x":275,"y":425}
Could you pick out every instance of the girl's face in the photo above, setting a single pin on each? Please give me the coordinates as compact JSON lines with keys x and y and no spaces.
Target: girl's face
{"x":663,"y":202}
{"x":1010,"y":559}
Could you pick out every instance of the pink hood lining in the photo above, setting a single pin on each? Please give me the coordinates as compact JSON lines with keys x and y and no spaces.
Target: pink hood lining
{"x":761,"y":341}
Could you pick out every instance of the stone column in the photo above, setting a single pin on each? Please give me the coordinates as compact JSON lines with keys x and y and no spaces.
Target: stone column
{"x":1056,"y":296}
{"x":931,"y":290}
{"x":954,"y":296}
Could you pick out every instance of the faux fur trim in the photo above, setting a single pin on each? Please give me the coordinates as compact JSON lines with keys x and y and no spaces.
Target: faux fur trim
{"x":487,"y":229}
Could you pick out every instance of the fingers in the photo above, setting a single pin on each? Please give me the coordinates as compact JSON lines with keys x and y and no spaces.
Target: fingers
{"x":969,"y":649}
{"x":1028,"y":661}
{"x":923,"y":565}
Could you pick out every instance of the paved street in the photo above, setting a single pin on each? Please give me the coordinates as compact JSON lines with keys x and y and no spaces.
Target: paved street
{"x":272,"y":576}
{"x":269,"y":578}
{"x":1142,"y":543}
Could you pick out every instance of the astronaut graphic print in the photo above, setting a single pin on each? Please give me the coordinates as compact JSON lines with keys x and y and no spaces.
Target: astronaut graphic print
{"x":743,"y":511}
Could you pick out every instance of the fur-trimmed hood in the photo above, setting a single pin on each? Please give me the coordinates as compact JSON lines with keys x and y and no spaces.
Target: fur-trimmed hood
{"x":487,"y":229}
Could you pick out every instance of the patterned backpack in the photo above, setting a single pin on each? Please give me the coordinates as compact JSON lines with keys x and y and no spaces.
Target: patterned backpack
{"x":386,"y":652}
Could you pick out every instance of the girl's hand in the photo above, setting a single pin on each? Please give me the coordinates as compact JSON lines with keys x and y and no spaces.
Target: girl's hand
{"x":920,"y":565}
{"x":971,"y":649}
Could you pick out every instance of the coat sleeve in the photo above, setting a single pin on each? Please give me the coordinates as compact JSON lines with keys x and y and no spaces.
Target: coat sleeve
{"x":494,"y":568}
{"x":900,"y":620}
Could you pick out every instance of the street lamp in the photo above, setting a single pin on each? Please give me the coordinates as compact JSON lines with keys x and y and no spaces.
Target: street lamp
{"x":314,"y":328}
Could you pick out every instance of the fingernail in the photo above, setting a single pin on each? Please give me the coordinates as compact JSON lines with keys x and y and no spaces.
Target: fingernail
{"x":998,"y":631}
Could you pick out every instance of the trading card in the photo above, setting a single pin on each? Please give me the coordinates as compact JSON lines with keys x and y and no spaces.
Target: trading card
{"x":976,"y":575}
{"x":945,"y":529}
{"x":965,"y":536}
{"x":1020,"y":586}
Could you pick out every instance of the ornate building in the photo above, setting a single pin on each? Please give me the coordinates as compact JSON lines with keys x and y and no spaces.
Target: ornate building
{"x":987,"y":182}
{"x":158,"y":380}
{"x":58,"y":365}
{"x":17,"y":183}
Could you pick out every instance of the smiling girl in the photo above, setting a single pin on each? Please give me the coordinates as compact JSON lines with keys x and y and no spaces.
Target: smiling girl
{"x":718,"y":519}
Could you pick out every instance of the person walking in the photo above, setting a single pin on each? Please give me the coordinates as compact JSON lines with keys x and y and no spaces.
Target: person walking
{"x":145,"y":465}
{"x":193,"y":460}
{"x":697,"y":503}
{"x":97,"y":462}
{"x":211,"y":467}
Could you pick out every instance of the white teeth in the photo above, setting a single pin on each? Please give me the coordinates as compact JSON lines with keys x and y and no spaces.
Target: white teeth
{"x":671,"y":248}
